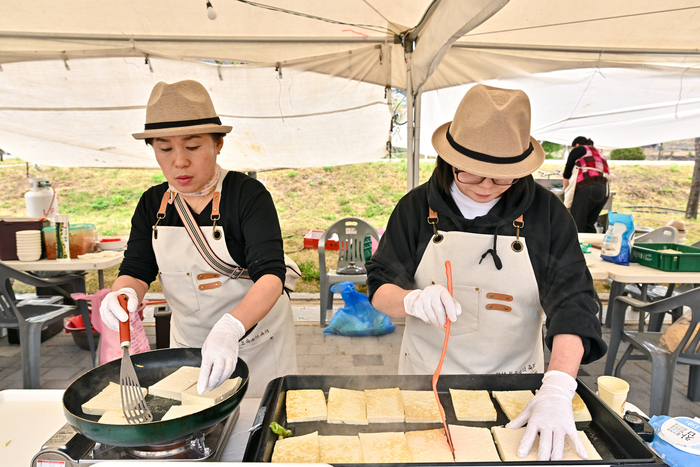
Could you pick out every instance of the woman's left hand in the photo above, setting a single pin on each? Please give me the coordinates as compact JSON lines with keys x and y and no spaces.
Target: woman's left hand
{"x":220,"y":353}
{"x":551,"y":415}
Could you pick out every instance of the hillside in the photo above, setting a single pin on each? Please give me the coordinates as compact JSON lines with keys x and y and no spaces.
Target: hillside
{"x":309,"y":199}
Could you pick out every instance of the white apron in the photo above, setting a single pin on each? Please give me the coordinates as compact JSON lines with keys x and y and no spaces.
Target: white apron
{"x":500,"y":328}
{"x":198,"y":296}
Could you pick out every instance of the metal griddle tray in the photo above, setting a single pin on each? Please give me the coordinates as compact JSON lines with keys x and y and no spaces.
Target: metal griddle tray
{"x":614,"y":440}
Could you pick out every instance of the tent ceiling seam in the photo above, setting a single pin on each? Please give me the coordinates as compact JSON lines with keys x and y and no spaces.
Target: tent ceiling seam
{"x":121,"y":38}
{"x":567,"y":49}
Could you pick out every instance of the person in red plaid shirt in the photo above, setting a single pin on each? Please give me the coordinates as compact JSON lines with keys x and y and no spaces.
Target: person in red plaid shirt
{"x":592,"y":185}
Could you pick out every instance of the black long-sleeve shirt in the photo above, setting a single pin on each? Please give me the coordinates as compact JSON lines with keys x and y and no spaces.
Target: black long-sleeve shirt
{"x":564,"y":282}
{"x":248,"y":219}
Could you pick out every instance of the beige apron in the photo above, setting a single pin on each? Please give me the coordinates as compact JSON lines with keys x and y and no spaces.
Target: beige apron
{"x":198,"y":297}
{"x":500,"y":328}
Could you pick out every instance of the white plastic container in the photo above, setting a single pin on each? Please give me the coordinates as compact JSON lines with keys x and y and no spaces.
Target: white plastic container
{"x":41,"y":199}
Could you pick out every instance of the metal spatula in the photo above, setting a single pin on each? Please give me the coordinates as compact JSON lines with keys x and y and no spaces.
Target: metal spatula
{"x":133,"y":404}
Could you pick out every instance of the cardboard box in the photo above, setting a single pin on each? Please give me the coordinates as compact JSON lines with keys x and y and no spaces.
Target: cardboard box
{"x":8,"y":240}
{"x":311,"y":240}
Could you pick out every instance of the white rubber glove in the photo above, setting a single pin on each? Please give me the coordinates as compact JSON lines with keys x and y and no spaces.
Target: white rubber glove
{"x":550,"y":414}
{"x":433,"y":305}
{"x":220,"y":353}
{"x":112,"y":312}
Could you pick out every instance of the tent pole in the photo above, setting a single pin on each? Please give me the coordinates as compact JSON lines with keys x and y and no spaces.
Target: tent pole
{"x":416,"y":138}
{"x":410,"y":176}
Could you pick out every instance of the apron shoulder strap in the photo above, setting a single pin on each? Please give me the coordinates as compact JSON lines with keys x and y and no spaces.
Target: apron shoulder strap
{"x":202,"y":245}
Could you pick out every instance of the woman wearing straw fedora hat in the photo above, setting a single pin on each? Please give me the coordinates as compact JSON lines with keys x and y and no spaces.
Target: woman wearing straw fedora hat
{"x":213,"y":239}
{"x":515,"y":258}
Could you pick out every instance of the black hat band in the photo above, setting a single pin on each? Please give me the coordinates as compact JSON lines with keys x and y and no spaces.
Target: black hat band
{"x":162,"y":125}
{"x":485,"y":157}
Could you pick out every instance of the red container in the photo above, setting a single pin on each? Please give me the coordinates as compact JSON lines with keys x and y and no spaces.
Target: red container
{"x":311,"y":241}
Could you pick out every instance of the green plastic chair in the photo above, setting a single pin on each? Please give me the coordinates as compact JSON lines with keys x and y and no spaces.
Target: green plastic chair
{"x":351,"y":234}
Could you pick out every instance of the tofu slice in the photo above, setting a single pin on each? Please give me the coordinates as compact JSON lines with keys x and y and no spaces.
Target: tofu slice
{"x":383,"y":448}
{"x":346,"y":406}
{"x":173,"y":385}
{"x":210,"y":398}
{"x":581,"y":413}
{"x":508,"y":440}
{"x":108,"y":399}
{"x":420,"y":407}
{"x":513,"y":402}
{"x":305,"y":405}
{"x":429,"y":446}
{"x":340,"y":450}
{"x":384,"y":405}
{"x":177,"y":411}
{"x":473,"y":405}
{"x":297,"y":449}
{"x":113,"y":417}
{"x":473,"y":444}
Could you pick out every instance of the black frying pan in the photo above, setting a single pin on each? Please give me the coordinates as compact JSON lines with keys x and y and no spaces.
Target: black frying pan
{"x":150,"y":367}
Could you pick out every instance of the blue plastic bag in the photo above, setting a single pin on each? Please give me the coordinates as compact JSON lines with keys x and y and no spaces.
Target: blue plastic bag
{"x":676,"y":440}
{"x":357,"y":317}
{"x":617,"y":243}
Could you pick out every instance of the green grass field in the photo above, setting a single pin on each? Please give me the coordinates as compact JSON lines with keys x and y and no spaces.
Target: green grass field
{"x":314,"y":198}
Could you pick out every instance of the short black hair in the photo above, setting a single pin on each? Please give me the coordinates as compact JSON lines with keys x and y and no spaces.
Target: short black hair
{"x":582,"y":141}
{"x":444,"y":174}
{"x":217,"y":137}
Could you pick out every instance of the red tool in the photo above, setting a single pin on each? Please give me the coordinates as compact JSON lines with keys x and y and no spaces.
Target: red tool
{"x":436,"y":375}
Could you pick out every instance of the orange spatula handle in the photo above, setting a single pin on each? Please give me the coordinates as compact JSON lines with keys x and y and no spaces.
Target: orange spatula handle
{"x":124,"y":330}
{"x":436,"y":375}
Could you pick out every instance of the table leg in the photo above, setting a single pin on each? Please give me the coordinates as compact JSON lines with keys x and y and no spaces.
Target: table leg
{"x":616,"y":289}
{"x":100,"y":279}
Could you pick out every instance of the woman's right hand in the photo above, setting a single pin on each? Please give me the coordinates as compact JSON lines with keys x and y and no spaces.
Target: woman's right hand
{"x":434,"y":305}
{"x":112,"y":312}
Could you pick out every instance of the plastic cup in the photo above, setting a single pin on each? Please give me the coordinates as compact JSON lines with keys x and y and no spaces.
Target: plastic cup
{"x":613,"y":391}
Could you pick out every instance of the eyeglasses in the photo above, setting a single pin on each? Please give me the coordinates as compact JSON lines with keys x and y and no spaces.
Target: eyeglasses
{"x":471,"y":179}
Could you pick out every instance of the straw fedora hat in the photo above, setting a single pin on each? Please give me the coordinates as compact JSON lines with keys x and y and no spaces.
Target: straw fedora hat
{"x":490,"y":134}
{"x":182,"y":108}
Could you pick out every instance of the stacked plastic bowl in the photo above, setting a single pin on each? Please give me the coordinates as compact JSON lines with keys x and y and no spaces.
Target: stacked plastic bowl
{"x":28,"y":245}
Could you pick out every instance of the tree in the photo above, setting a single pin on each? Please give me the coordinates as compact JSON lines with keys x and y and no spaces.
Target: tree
{"x":691,"y":212}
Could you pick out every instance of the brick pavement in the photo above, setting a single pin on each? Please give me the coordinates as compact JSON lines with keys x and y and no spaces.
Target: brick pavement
{"x":322,"y":354}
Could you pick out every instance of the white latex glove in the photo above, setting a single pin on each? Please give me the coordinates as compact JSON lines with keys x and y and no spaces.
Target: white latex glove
{"x":112,"y":312}
{"x":433,"y":305}
{"x":220,"y":353}
{"x":550,"y":414}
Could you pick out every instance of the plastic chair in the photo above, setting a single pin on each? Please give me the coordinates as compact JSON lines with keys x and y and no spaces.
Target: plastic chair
{"x":649,"y":343}
{"x":351,"y":234}
{"x":667,"y":234}
{"x":30,"y":318}
{"x":654,"y":292}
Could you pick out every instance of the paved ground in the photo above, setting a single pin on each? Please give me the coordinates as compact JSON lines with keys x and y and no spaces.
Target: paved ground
{"x":62,"y":360}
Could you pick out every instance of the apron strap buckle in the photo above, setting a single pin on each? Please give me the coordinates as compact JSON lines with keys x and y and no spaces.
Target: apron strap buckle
{"x":517,"y":245}
{"x":433,"y":220}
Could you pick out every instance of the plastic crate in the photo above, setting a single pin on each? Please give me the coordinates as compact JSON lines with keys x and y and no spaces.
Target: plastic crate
{"x":311,"y":241}
{"x":649,"y":254}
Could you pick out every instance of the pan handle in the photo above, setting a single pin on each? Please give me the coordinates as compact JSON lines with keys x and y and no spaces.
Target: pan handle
{"x":258,"y":421}
{"x":124,"y":328}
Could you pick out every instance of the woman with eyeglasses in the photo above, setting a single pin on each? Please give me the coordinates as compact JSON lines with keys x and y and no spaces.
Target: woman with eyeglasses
{"x":515,"y":258}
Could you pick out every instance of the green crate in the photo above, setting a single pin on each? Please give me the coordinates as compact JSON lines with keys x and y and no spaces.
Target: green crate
{"x":649,"y":254}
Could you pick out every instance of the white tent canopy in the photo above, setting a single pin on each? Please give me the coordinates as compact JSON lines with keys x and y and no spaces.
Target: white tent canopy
{"x":76,"y":74}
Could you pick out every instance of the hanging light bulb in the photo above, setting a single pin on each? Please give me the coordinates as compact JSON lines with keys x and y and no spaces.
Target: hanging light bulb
{"x":211,"y":14}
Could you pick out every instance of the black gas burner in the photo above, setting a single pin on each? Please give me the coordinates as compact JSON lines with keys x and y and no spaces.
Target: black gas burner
{"x":74,"y":449}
